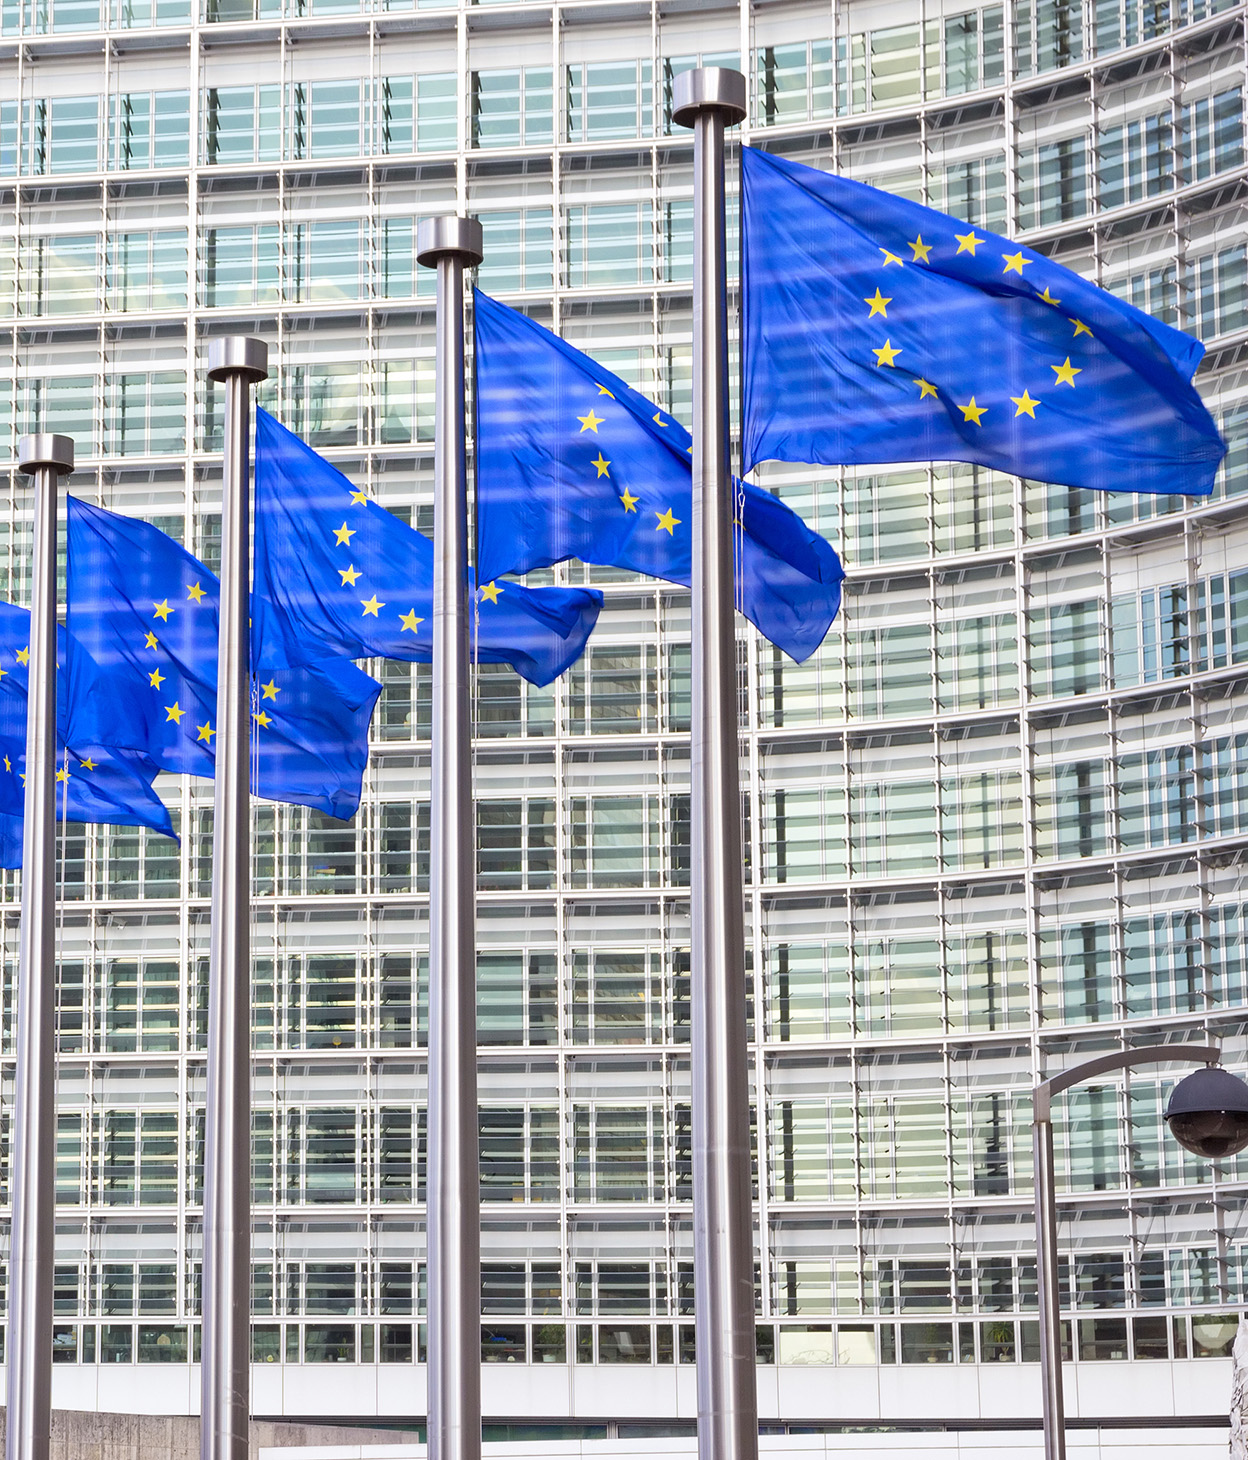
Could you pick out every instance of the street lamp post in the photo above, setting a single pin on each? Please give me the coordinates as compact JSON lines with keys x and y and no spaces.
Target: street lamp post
{"x":1207,"y":1114}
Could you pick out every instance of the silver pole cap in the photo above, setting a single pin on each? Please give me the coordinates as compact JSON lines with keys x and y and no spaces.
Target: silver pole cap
{"x":438,"y":238}
{"x":708,"y":88}
{"x":42,"y":448}
{"x":238,"y":355}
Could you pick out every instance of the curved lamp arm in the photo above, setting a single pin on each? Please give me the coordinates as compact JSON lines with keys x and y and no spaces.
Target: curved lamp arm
{"x":1146,"y":1054}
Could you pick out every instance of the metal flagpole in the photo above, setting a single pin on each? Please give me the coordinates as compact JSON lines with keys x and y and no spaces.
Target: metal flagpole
{"x":45,"y":458}
{"x":453,"y":1203}
{"x":710,"y":99}
{"x":238,"y":362}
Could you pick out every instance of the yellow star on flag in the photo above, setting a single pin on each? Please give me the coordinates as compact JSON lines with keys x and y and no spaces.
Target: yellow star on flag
{"x":156,"y":679}
{"x":1047,"y":297}
{"x":371,"y":605}
{"x":886,"y":354}
{"x":1081,"y":328}
{"x":668,"y":522}
{"x":206,"y":732}
{"x":162,"y":610}
{"x":1066,"y":372}
{"x":359,"y":497}
{"x":62,"y":775}
{"x":659,"y":420}
{"x":87,"y":763}
{"x":590,"y":422}
{"x":630,"y":502}
{"x":343,"y":535}
{"x":195,"y":592}
{"x":3,"y":672}
{"x":490,"y":592}
{"x":409,"y":620}
{"x":23,"y":655}
{"x":261,"y":718}
{"x":1026,"y":406}
{"x":967,"y":242}
{"x":973,"y":412}
{"x":348,"y":575}
{"x":150,"y":641}
{"x":879,"y":305}
{"x":926,"y":388}
{"x":8,"y":764}
{"x":174,"y":712}
{"x":891,"y":258}
{"x":271,"y":690}
{"x":1014,"y":262}
{"x":920,"y":250}
{"x":602,"y":464}
{"x":602,"y":390}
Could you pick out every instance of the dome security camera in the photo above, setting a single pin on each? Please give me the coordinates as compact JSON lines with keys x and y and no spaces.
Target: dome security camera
{"x":1208,"y":1113}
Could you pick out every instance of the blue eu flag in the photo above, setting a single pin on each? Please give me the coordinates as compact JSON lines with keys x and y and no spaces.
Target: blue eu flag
{"x":573,"y":463}
{"x":139,"y":601}
{"x":97,"y":780}
{"x":338,"y":573}
{"x":108,"y":787}
{"x":876,"y":330}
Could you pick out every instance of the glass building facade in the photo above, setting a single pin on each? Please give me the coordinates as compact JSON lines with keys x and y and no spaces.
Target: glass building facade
{"x":998,"y":822}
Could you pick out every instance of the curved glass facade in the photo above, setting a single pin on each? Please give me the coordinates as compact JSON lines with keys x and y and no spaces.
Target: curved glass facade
{"x":998,"y":822}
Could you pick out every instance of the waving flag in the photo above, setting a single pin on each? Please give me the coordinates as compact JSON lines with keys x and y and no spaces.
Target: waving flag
{"x":574,"y":463}
{"x":336,"y":572}
{"x":139,"y":601}
{"x":99,"y":779}
{"x":877,"y":330}
{"x":107,"y":787}
{"x":10,"y":841}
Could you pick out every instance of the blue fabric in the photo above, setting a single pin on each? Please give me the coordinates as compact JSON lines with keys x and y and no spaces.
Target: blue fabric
{"x":574,"y":463}
{"x":877,"y":330}
{"x":339,"y":573}
{"x":97,"y":781}
{"x":105,"y":788}
{"x":10,"y":841}
{"x":142,"y":604}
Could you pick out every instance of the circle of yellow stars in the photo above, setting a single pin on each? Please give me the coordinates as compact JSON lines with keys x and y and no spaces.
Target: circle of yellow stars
{"x":665,"y":521}
{"x":63,"y":774}
{"x":163,"y":611}
{"x":22,"y":657}
{"x":349,"y":576}
{"x":888,"y":354}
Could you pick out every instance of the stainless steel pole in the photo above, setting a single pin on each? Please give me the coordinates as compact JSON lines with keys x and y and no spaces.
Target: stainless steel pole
{"x":1048,"y":1284}
{"x":708,"y":100}
{"x":238,"y":362}
{"x":453,"y":1202}
{"x":44,"y":457}
{"x":1048,"y":1291}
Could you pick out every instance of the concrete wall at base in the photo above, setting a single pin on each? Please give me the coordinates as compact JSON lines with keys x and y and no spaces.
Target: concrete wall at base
{"x":88,"y":1435}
